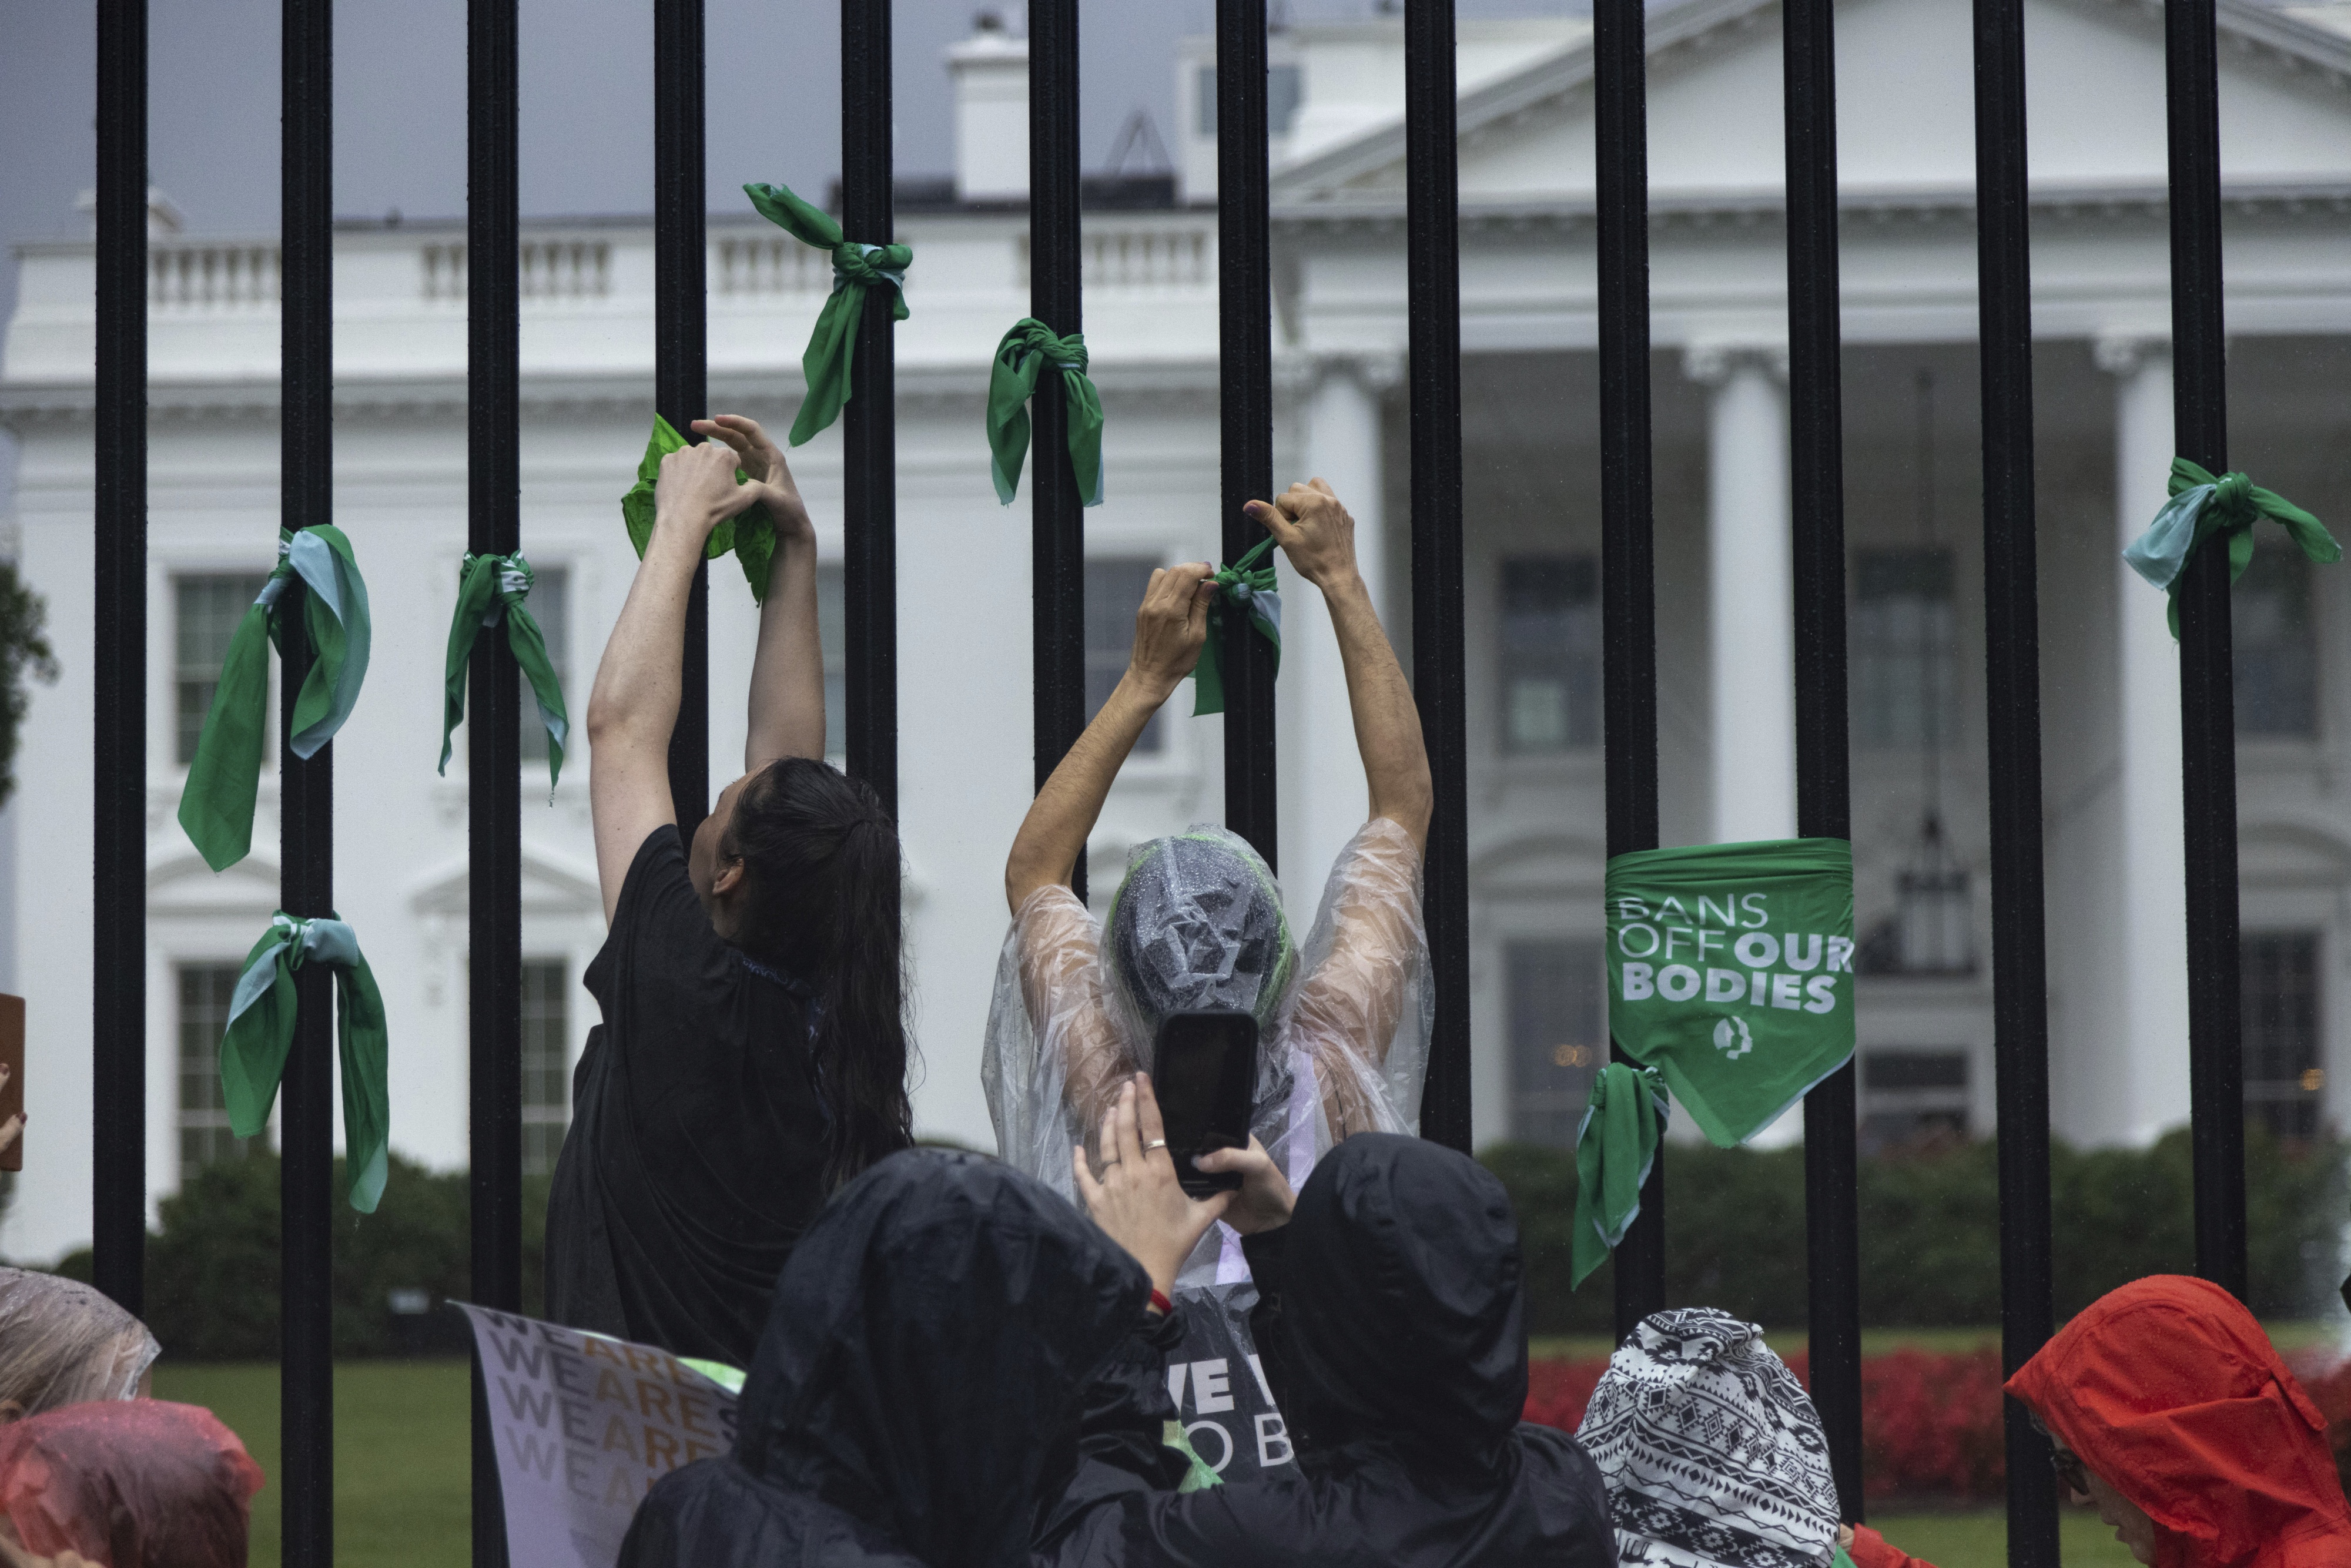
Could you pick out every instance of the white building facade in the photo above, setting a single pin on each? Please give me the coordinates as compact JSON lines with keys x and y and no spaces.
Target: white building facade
{"x":1531,"y":539}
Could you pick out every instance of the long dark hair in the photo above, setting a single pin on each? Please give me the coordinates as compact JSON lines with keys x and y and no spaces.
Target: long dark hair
{"x":820,"y":873}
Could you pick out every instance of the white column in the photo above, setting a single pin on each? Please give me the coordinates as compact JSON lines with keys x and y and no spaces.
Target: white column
{"x":1750,"y":587}
{"x":1324,"y":798}
{"x":2143,"y":1074}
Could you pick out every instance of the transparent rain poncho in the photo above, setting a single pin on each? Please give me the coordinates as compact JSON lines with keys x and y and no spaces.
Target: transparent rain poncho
{"x":1344,"y":1022}
{"x":63,"y":1342}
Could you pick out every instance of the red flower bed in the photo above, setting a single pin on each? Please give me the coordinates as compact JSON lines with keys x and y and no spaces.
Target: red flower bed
{"x":1931,"y":1422}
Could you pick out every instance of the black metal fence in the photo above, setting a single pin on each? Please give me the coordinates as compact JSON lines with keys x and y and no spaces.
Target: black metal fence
{"x":119,"y":1062}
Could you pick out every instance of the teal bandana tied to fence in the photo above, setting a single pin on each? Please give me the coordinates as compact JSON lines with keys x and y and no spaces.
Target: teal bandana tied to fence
{"x":1731,"y":976}
{"x":750,"y":534}
{"x":1024,"y":351}
{"x":1250,"y":586}
{"x":1615,"y":1148}
{"x":216,"y":806}
{"x":857,"y":271}
{"x":261,"y":1013}
{"x":491,"y":588}
{"x":2231,"y":504}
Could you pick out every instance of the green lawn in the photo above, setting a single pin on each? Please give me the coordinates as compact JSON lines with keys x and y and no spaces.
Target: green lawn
{"x":402,"y":1470}
{"x":403,"y":1466}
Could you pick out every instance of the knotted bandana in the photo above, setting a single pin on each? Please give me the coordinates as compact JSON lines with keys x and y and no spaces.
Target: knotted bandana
{"x":216,"y":806}
{"x":489,"y":588}
{"x":2201,"y":504}
{"x":1615,"y":1148}
{"x":751,"y":534}
{"x":1250,"y":586}
{"x":261,"y":1012}
{"x":857,"y":270}
{"x":1024,"y":350}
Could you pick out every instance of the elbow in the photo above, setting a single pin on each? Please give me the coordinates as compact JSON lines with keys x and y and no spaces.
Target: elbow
{"x":1411,"y":804}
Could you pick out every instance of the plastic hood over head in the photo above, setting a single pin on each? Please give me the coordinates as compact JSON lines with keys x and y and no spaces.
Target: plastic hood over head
{"x":2171,"y":1392}
{"x":62,"y":1342}
{"x":1401,"y":1313}
{"x":130,"y":1484}
{"x":1198,"y":923}
{"x":930,"y":1342}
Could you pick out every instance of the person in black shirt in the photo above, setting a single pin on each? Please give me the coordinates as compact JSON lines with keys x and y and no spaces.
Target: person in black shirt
{"x":753,"y":1053}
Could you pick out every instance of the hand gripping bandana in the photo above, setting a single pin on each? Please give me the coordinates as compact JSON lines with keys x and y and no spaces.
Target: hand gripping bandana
{"x":751,"y":535}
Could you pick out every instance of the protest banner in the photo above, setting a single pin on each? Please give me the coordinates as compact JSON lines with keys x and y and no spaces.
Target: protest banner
{"x":584,"y":1424}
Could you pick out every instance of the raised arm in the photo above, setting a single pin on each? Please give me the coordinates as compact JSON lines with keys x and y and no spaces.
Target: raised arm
{"x":1169,"y":632}
{"x":788,"y":668}
{"x":633,"y":706}
{"x":1319,"y":537}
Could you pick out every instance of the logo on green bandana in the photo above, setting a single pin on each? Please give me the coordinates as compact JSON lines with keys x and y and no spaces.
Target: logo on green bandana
{"x":1730,"y":970}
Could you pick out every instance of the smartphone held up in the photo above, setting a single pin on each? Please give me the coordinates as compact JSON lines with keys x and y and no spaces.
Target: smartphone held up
{"x":1205,"y":1074}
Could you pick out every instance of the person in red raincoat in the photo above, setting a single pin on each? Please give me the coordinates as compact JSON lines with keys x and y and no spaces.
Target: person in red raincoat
{"x":2172,"y":1412}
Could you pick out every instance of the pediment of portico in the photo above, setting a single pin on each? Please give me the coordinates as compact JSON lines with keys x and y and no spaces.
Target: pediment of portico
{"x":181,"y":884}
{"x":1906,"y":112}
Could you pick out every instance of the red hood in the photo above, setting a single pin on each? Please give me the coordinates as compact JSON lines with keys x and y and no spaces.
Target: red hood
{"x":2170,"y":1390}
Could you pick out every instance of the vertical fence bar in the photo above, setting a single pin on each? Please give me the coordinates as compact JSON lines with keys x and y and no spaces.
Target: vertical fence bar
{"x":306,"y":791}
{"x":2208,"y":720}
{"x":1056,"y":298}
{"x":119,"y":657}
{"x":1628,"y":611}
{"x":1433,"y":261}
{"x":2012,"y":731}
{"x":870,"y":423}
{"x":682,"y":352}
{"x":1823,"y":785}
{"x":494,"y":750}
{"x":1245,"y":362}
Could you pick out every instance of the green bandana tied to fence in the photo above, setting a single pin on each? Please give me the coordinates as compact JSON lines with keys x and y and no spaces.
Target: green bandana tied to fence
{"x":1250,"y":586}
{"x":261,"y":1031}
{"x":2232,"y":504}
{"x":857,"y":271}
{"x":1731,"y":975}
{"x":491,"y":587}
{"x":1613,"y":1160}
{"x":216,"y":806}
{"x":751,"y":534}
{"x":1023,"y":351}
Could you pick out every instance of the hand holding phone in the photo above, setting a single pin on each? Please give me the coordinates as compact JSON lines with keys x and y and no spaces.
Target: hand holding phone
{"x":1204,"y":1073}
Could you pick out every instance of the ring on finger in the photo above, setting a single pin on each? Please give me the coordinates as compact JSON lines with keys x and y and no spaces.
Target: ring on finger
{"x":1154,"y":1144}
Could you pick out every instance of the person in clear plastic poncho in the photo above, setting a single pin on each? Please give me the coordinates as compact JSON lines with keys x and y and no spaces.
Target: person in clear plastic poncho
{"x":1197,"y":922}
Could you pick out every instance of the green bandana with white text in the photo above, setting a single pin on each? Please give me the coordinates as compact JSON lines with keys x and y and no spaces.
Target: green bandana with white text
{"x":1730,"y":971}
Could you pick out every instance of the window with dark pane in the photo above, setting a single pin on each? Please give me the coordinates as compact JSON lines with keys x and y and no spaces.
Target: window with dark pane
{"x":1909,"y":1097}
{"x":1549,"y":654}
{"x":206,"y":610}
{"x":2284,"y":1084}
{"x":832,"y":632}
{"x":1904,"y":649}
{"x":1558,"y":1036}
{"x":2273,"y":637}
{"x":1113,"y":593}
{"x":546,"y":1064}
{"x":205,"y":990}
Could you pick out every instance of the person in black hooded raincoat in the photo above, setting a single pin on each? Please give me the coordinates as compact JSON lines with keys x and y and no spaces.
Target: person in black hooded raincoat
{"x":1393,"y":1330}
{"x":918,"y":1385}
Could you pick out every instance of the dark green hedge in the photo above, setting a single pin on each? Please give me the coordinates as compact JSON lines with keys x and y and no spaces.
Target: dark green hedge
{"x":212,"y":1267}
{"x":1930,"y":1231}
{"x":1929,"y":1241}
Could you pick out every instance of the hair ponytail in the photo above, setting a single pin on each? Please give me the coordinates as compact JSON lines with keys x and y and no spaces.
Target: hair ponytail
{"x":822,"y":873}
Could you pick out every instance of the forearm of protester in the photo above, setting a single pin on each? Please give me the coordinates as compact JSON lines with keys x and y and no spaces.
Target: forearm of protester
{"x":1169,"y":632}
{"x":787,"y":697}
{"x":1318,"y":535}
{"x":634,"y":705}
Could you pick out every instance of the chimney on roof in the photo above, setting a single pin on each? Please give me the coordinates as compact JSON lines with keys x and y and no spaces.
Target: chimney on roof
{"x":991,"y":112}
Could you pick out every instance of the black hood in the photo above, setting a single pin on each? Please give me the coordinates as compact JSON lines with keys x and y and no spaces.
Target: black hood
{"x":1402,"y":1315}
{"x":928,"y":1345}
